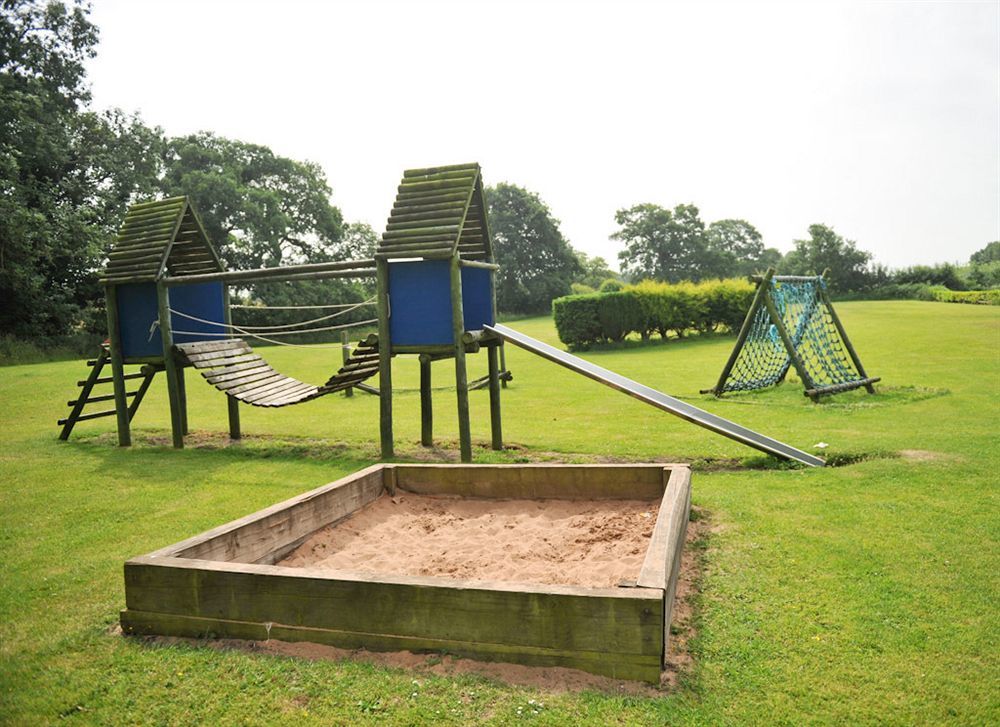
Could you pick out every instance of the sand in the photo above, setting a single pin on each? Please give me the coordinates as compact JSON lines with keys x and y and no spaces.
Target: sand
{"x":597,"y":543}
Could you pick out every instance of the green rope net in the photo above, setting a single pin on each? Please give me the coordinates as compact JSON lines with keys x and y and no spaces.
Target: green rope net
{"x":764,"y":361}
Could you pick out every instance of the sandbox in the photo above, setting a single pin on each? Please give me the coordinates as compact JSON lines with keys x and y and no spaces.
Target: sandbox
{"x":548,"y":565}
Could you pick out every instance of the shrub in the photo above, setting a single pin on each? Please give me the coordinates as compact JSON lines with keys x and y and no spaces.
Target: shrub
{"x":649,"y":307}
{"x":611,"y":285}
{"x":577,"y":319}
{"x":976,"y":297}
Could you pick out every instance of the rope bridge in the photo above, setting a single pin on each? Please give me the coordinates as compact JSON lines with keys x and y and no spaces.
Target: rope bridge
{"x":235,"y":369}
{"x":792,"y":323}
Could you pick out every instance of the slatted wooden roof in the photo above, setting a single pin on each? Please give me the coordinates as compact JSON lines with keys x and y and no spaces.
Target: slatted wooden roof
{"x":439,"y":211}
{"x":160,"y":238}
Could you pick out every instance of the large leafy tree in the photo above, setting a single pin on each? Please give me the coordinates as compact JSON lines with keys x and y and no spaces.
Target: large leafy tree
{"x":66,"y":174}
{"x":824,"y":249}
{"x":259,"y":209}
{"x":594,"y":271}
{"x":738,"y":247}
{"x":536,"y":262}
{"x":662,"y":244}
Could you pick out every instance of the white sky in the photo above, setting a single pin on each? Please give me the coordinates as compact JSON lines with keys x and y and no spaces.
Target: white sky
{"x":880,"y":119}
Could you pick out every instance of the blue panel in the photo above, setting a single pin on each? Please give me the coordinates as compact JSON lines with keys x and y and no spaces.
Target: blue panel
{"x":420,"y":301}
{"x":477,"y":298}
{"x":137,"y":312}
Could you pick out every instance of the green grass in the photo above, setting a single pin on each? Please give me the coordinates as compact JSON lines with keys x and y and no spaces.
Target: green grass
{"x":864,"y":593}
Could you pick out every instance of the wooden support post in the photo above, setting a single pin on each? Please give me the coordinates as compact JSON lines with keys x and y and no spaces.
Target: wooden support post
{"x":847,"y":341}
{"x":758,"y":300}
{"x":800,"y":367}
{"x":461,"y":376}
{"x":118,"y":367}
{"x":232,"y":403}
{"x":426,"y":409}
{"x":170,"y":365}
{"x":384,"y":359}
{"x":182,"y":398}
{"x":493,"y":357}
{"x":345,"y":354}
{"x":503,"y":364}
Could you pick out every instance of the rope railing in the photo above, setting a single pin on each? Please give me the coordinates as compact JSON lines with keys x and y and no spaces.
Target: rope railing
{"x":282,"y":327}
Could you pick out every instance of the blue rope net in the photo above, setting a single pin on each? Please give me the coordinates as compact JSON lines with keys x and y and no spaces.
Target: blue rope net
{"x":764,"y":361}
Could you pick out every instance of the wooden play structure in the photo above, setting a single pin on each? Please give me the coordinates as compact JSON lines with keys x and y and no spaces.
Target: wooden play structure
{"x":168,"y":310}
{"x":792,"y":322}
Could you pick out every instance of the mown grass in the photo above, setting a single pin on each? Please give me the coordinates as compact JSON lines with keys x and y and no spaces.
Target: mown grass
{"x":864,"y":593}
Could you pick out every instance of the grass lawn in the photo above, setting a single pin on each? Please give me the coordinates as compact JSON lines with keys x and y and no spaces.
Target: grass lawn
{"x":864,"y":593}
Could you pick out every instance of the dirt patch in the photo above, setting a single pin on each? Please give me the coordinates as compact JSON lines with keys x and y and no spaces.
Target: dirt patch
{"x":594,"y":543}
{"x":552,"y":680}
{"x":921,"y":455}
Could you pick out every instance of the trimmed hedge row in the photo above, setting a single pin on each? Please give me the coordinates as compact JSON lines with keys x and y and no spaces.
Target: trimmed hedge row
{"x":650,"y":307}
{"x":976,"y":297}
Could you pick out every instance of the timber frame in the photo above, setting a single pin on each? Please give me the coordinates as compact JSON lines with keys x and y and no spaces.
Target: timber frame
{"x":439,"y":214}
{"x":224,"y":584}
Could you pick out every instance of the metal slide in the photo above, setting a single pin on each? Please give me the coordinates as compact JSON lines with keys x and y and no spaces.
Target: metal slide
{"x":658,"y":399}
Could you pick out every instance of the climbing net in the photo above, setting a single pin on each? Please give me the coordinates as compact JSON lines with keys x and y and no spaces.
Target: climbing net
{"x":764,"y":360}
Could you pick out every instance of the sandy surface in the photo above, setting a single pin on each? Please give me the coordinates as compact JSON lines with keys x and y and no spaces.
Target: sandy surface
{"x":548,"y":679}
{"x":572,"y":542}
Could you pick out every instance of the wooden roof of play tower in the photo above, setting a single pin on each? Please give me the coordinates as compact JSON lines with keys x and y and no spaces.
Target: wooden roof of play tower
{"x":439,"y":212}
{"x":157,"y":239}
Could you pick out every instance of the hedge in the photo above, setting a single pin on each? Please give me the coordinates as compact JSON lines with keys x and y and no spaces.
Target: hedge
{"x":976,"y":297}
{"x":650,"y":307}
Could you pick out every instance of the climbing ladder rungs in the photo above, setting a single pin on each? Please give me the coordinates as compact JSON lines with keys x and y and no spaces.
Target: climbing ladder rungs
{"x":95,"y":415}
{"x":95,"y":399}
{"x":110,"y":379}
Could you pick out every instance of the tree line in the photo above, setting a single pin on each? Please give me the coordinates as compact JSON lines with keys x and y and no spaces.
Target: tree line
{"x":68,"y":174}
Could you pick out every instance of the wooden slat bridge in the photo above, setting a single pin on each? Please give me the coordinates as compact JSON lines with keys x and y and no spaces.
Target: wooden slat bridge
{"x":235,"y":369}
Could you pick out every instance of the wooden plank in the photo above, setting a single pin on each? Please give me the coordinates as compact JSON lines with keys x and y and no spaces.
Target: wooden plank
{"x":472,"y":166}
{"x":252,"y":537}
{"x":109,"y":379}
{"x":88,"y":385}
{"x":232,"y":372}
{"x":447,"y":210}
{"x":237,"y":389}
{"x":535,"y":481}
{"x":428,"y":175}
{"x":277,"y":390}
{"x":95,"y":415}
{"x":617,"y":666}
{"x":437,"y":185}
{"x":438,"y":231}
{"x":661,"y":567}
{"x":426,"y":403}
{"x":255,"y":376}
{"x":206,"y":346}
{"x":611,"y":621}
{"x":170,"y":366}
{"x":385,"y":360}
{"x":96,"y":399}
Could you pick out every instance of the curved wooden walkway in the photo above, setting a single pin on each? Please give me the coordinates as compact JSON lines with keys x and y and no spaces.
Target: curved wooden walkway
{"x":235,"y":369}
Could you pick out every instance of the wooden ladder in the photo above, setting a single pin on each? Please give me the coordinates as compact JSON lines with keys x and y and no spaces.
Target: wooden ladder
{"x":146,"y":373}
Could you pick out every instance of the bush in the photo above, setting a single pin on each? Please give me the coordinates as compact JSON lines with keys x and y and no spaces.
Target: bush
{"x":651,"y":307}
{"x":976,"y":297}
{"x":577,"y":319}
{"x":611,"y":285}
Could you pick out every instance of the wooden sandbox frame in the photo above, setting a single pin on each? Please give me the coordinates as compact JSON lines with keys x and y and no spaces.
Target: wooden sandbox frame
{"x":223,"y":584}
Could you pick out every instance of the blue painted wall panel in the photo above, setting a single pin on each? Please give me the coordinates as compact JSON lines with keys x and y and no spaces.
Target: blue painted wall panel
{"x":420,"y":301}
{"x":137,"y":312}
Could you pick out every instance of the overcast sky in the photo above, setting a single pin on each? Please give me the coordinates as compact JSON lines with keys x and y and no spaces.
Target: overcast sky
{"x":880,"y":119}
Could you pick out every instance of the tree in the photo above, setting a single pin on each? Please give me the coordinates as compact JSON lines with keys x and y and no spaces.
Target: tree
{"x":360,"y":242}
{"x":594,"y":271}
{"x":48,"y":243}
{"x":536,"y":262}
{"x":662,"y":244}
{"x":989,"y":254}
{"x":259,"y":209}
{"x":826,"y":250}
{"x":738,"y":246}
